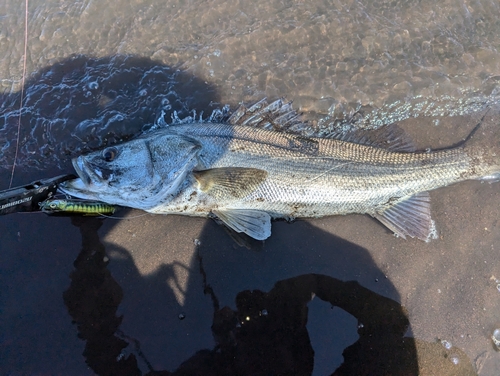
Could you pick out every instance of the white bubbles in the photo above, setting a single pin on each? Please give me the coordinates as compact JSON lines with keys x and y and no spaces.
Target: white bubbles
{"x":94,"y":85}
{"x":416,"y":106}
{"x":455,"y":360}
{"x":116,"y":118}
{"x":447,"y":345}
{"x":165,"y":103}
{"x":6,"y":83}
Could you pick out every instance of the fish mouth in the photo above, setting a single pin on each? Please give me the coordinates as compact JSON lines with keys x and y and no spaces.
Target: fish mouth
{"x":87,"y":178}
{"x":88,"y":172}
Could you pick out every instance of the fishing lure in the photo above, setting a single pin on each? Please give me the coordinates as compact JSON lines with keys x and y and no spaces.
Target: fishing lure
{"x":67,"y":206}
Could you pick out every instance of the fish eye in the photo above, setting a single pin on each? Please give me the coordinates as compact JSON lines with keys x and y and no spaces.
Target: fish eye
{"x":109,"y":154}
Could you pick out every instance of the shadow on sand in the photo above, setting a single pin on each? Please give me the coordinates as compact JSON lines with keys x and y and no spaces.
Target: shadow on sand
{"x":265,"y":334}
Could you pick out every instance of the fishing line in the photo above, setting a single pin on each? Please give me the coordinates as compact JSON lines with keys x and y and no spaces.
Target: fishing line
{"x":112,"y":217}
{"x":22,"y":92}
{"x":330,"y":170}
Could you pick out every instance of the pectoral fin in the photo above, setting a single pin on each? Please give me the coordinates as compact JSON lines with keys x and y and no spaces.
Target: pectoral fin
{"x":230,"y":181}
{"x":254,"y":223}
{"x":410,"y":217}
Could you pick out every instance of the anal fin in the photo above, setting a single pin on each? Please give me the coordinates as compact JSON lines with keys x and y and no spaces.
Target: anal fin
{"x":410,"y":217}
{"x":254,"y":223}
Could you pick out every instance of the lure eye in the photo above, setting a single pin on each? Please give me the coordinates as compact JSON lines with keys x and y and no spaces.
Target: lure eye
{"x":109,"y":154}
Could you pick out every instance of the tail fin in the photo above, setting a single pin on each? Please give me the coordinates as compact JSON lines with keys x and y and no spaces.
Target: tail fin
{"x":483,"y":146}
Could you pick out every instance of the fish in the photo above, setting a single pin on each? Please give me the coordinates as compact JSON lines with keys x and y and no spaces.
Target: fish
{"x":264,"y":162}
{"x":68,"y":206}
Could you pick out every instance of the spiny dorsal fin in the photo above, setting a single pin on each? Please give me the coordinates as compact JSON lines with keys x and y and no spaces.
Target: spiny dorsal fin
{"x":279,"y":115}
{"x":389,"y":137}
{"x":230,"y":181}
{"x":254,"y":223}
{"x":410,"y":217}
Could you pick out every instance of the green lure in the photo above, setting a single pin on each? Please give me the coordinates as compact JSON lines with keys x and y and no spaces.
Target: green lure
{"x":87,"y":208}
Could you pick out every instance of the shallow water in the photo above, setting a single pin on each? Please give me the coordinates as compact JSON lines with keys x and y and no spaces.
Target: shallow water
{"x":98,"y":74}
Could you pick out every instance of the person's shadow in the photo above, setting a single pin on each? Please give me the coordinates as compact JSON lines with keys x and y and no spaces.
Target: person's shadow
{"x":245,"y":311}
{"x":289,"y":306}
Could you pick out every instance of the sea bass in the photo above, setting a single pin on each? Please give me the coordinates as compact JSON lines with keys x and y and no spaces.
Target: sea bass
{"x":257,"y":165}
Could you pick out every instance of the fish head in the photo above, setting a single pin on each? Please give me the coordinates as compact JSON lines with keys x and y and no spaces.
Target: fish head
{"x":137,"y":173}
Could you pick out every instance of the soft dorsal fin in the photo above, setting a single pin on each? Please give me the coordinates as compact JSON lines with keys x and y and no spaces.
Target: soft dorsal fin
{"x":254,"y":223}
{"x":230,"y":181}
{"x":389,"y":137}
{"x":410,"y":217}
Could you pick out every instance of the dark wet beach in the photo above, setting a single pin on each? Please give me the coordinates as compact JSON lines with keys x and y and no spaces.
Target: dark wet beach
{"x":147,"y":294}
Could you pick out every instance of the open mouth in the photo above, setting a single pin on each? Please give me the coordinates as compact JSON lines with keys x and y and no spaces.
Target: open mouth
{"x":82,"y":186}
{"x":88,"y":173}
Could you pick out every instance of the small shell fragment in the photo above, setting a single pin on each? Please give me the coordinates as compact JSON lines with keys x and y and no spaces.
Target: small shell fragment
{"x":496,"y":338}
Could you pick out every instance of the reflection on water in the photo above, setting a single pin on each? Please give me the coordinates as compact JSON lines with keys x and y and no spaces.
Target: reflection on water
{"x":99,"y":73}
